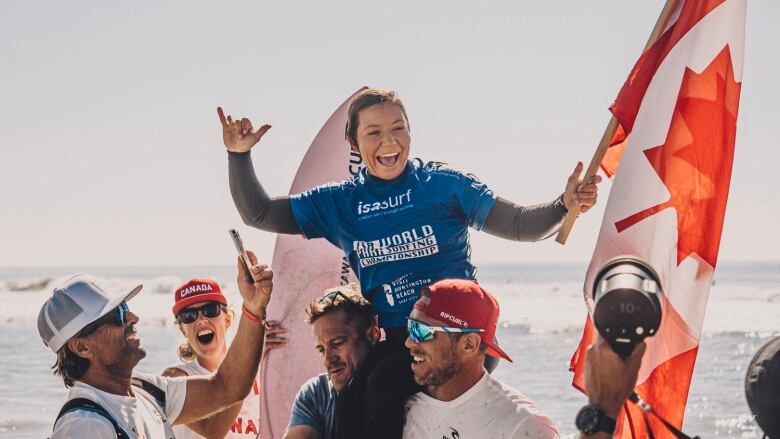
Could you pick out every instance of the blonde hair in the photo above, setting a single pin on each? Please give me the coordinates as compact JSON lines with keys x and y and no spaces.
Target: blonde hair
{"x":356,"y":307}
{"x":185,"y":351}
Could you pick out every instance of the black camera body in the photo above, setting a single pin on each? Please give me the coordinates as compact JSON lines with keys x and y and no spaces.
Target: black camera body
{"x":627,"y":304}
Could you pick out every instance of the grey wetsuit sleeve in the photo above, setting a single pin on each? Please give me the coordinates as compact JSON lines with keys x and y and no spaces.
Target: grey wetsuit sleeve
{"x":254,"y":205}
{"x":525,"y":223}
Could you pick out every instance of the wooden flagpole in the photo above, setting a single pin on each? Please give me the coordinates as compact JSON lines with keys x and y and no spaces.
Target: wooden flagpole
{"x":601,"y":150}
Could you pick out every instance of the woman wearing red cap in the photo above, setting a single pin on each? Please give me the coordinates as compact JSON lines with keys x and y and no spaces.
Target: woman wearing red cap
{"x":402,"y":224}
{"x":204,"y":318}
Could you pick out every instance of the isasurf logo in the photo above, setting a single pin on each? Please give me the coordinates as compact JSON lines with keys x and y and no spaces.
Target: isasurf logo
{"x":391,"y":202}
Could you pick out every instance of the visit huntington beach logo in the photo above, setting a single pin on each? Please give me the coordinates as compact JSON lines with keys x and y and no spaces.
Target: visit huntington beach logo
{"x":389,"y":294}
{"x":392,"y":204}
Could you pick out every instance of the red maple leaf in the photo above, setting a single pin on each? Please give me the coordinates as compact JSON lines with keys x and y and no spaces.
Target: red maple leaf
{"x":695,"y":161}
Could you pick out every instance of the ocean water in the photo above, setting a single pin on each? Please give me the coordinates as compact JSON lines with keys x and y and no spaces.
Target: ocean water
{"x":541,"y":323}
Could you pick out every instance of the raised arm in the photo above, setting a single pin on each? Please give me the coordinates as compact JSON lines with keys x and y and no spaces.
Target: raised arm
{"x":609,"y":379}
{"x":533,"y":223}
{"x":233,"y":380}
{"x":217,"y":425}
{"x":257,"y":209}
{"x":524,"y":223}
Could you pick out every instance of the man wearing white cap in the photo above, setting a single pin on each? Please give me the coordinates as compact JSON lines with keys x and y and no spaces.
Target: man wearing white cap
{"x":93,"y":334}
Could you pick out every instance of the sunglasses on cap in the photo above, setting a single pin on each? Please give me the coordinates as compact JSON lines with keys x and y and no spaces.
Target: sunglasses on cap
{"x":118,"y":317}
{"x":209,"y":310}
{"x":420,"y":332}
{"x":334,"y":295}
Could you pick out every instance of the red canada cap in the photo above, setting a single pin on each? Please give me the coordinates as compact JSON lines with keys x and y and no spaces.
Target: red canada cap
{"x":197,"y":290}
{"x":464,"y":304}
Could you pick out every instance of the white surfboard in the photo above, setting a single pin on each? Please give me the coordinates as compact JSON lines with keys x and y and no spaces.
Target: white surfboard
{"x":302,"y":271}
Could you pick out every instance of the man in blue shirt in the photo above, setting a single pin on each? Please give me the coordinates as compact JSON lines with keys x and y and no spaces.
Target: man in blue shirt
{"x":313,"y":412}
{"x":346,"y":336}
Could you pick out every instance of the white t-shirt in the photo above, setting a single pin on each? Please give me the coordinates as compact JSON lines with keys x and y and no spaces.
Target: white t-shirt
{"x":246,"y":425}
{"x":488,"y":410}
{"x":139,"y":416}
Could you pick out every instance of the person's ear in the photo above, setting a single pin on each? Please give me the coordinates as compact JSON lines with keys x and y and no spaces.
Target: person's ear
{"x":373,"y":334}
{"x":78,"y":347}
{"x":470,"y":343}
{"x":354,"y":146}
{"x":228,"y":319}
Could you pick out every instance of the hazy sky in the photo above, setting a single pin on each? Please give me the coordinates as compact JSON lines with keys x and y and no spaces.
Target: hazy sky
{"x":111,"y":150}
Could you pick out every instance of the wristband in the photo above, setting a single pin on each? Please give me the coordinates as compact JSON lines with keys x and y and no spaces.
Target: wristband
{"x":253,"y":317}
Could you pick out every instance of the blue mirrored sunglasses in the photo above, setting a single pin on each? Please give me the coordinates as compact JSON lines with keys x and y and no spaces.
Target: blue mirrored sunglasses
{"x":420,"y":332}
{"x":121,"y":310}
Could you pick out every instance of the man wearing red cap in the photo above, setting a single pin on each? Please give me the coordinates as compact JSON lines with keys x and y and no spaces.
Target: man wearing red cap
{"x":451,"y":330}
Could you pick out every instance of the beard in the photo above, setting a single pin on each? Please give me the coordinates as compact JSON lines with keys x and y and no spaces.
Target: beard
{"x":441,"y":372}
{"x":123,"y":355}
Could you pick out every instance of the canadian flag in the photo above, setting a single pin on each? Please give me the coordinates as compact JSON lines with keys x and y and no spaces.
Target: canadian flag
{"x":677,"y":117}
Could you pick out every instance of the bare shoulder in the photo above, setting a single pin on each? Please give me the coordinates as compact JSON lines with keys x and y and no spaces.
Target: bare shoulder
{"x":174,"y":372}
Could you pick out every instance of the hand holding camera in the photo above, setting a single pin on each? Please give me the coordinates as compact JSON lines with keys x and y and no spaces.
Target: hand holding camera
{"x":626,"y":292}
{"x":627,"y":310}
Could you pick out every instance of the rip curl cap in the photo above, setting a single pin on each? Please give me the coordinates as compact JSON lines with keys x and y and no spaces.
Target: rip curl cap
{"x":464,"y":304}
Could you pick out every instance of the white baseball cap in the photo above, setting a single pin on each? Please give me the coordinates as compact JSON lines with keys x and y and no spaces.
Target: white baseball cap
{"x":74,"y":305}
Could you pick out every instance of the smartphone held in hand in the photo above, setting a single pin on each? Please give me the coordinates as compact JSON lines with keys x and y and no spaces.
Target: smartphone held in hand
{"x":242,"y":252}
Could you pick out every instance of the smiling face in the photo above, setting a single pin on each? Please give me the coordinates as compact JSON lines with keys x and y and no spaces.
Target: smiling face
{"x":115,"y":347}
{"x":383,"y":140}
{"x":436,"y":361}
{"x":341,"y":344}
{"x":207,"y":335}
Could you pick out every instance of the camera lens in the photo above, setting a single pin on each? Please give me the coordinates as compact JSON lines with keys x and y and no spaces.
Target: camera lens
{"x":627,"y":304}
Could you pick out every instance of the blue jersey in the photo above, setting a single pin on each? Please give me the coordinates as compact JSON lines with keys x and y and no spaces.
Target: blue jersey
{"x":399,"y":235}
